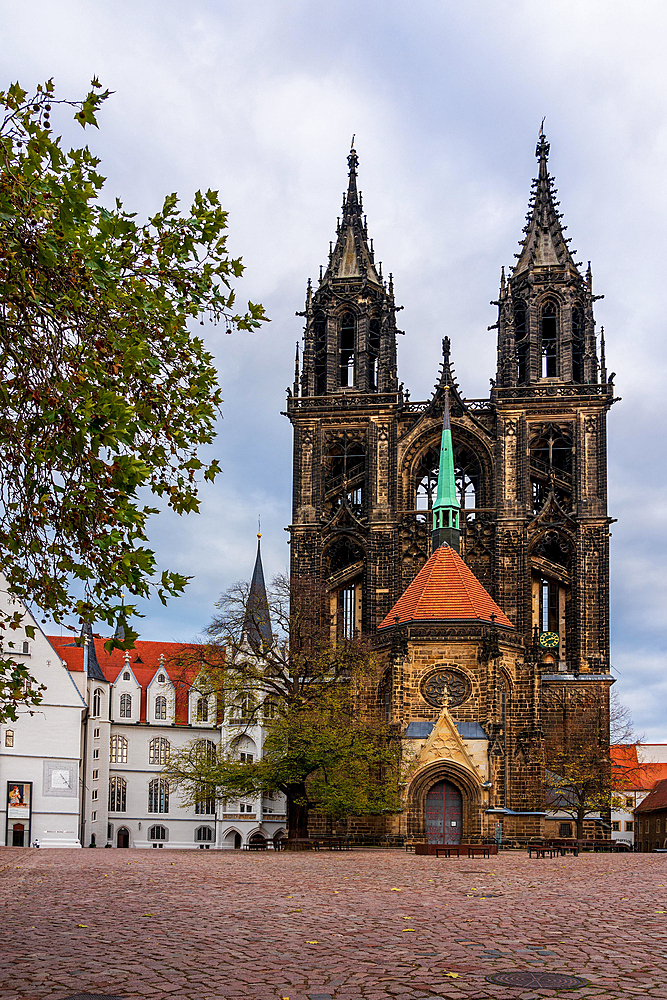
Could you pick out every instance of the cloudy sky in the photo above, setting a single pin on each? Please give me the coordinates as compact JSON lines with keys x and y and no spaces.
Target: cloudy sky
{"x":259,"y":99}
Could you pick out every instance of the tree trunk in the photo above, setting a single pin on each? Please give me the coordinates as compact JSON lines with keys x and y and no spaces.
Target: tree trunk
{"x":580,"y":824}
{"x":297,"y":811}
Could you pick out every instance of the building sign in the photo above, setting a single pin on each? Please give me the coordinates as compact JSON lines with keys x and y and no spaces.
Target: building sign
{"x":19,"y":808}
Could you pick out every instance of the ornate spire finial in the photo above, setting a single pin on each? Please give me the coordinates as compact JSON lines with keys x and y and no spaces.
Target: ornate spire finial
{"x":543,"y":147}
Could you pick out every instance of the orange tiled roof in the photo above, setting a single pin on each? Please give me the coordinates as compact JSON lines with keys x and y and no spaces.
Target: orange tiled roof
{"x":445,"y":590}
{"x":181,"y":664}
{"x":631,"y":775}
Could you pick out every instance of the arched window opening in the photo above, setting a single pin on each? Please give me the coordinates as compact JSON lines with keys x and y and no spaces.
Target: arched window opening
{"x":344,"y":563}
{"x":347,"y":331}
{"x":520,"y":333}
{"x":9,"y":737}
{"x":157,"y":833}
{"x":126,"y":676}
{"x":158,"y":796}
{"x":549,"y":606}
{"x":126,"y":706}
{"x":467,"y":475}
{"x":158,"y":750}
{"x":205,"y":801}
{"x":345,"y":470}
{"x":204,"y":834}
{"x":117,"y":794}
{"x":320,"y":349}
{"x":118,"y":750}
{"x":373,"y":354}
{"x":552,"y":450}
{"x":201,"y":709}
{"x":577,"y":344}
{"x":342,"y":554}
{"x":97,"y":701}
{"x":549,"y":335}
{"x":206,"y":751}
{"x":160,"y":707}
{"x":551,"y":466}
{"x":555,"y":547}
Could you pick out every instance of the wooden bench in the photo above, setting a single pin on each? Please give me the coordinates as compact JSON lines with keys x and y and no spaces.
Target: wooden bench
{"x":541,"y":850}
{"x":457,"y":850}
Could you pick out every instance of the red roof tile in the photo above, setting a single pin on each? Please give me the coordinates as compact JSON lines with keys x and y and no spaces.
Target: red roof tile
{"x":445,"y":590}
{"x":657,"y":799}
{"x":179,"y":663}
{"x":629,"y":774}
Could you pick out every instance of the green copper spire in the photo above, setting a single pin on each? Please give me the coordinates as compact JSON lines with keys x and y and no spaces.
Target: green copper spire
{"x":446,"y":507}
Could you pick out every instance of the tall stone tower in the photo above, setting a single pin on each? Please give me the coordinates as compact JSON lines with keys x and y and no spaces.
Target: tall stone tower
{"x":343,"y":409}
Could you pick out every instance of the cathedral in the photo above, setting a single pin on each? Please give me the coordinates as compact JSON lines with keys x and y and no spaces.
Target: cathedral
{"x":468,"y":538}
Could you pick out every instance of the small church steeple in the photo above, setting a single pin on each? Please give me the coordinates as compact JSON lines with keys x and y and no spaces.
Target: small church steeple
{"x":446,"y":507}
{"x":350,"y":333}
{"x":257,"y":620}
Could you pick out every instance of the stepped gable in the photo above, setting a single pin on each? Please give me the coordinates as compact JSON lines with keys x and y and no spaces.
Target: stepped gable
{"x":445,"y":590}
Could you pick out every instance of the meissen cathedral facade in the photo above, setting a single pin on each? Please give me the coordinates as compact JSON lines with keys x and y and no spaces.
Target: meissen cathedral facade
{"x":492,"y":631}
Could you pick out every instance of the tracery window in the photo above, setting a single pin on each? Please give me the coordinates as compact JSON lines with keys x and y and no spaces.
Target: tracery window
{"x":347,"y":333}
{"x":204,"y":834}
{"x":126,"y":706}
{"x":467,"y":475}
{"x":201,"y":709}
{"x":551,"y":465}
{"x":118,"y":750}
{"x":345,"y":469}
{"x":206,"y":750}
{"x":522,"y":342}
{"x":320,"y":349}
{"x":577,"y":344}
{"x":549,"y":338}
{"x":205,"y":802}
{"x":158,"y":750}
{"x":117,"y":794}
{"x":160,"y":707}
{"x":157,"y":833}
{"x":158,"y":796}
{"x":373,"y":353}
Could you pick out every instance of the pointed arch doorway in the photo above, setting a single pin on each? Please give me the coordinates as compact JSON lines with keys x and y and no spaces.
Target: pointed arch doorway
{"x":444,"y":814}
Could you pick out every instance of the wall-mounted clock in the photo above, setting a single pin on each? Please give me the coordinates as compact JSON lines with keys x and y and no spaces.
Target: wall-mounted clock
{"x":549,"y":640}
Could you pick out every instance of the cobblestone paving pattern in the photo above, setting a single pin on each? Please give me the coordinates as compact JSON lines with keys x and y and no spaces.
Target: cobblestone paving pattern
{"x":359,"y":925}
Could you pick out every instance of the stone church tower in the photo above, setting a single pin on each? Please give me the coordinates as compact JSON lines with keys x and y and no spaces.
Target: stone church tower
{"x":529,"y":479}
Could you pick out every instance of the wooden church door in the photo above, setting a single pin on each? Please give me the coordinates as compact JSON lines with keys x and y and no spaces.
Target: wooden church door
{"x":444,"y":814}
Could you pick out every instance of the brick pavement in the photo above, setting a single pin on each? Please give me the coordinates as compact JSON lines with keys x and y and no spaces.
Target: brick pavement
{"x":363,"y":925}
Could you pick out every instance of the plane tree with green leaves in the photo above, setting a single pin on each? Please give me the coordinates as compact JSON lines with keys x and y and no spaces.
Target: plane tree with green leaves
{"x":106,"y":393}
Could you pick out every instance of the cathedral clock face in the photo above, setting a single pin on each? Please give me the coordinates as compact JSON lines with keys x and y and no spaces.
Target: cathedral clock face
{"x":549,"y":640}
{"x":445,"y":687}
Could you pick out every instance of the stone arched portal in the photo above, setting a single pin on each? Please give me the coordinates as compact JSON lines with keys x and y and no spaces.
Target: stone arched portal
{"x":444,"y":813}
{"x":462,"y":780}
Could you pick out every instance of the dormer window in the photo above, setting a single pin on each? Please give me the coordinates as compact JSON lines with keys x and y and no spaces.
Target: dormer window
{"x":160,"y":707}
{"x":126,"y":706}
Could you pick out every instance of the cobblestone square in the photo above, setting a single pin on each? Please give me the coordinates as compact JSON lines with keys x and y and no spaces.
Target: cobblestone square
{"x":358,"y":925}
